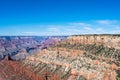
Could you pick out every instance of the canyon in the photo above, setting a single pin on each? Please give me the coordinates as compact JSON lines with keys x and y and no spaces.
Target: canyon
{"x":77,"y":57}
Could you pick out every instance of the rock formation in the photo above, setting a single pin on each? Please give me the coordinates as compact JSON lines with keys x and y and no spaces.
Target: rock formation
{"x":84,"y":57}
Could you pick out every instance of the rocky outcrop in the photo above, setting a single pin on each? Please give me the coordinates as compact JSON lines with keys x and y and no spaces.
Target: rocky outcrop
{"x":111,"y":41}
{"x":84,"y":57}
{"x":73,"y":59}
{"x":14,"y":50}
{"x":13,"y":70}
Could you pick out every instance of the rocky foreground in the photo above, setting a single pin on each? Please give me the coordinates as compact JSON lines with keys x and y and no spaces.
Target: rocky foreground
{"x":86,"y":57}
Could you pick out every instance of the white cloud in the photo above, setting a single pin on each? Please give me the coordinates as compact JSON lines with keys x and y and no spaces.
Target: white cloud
{"x":106,"y":22}
{"x":80,"y":24}
{"x":106,"y":27}
{"x":88,"y":28}
{"x":29,"y":32}
{"x":100,"y":29}
{"x":54,"y":29}
{"x":115,"y":32}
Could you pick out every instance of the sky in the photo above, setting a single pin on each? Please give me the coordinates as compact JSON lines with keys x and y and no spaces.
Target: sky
{"x":59,"y":17}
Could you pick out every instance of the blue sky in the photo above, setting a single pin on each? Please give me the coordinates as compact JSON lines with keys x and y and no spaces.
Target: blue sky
{"x":59,"y":17}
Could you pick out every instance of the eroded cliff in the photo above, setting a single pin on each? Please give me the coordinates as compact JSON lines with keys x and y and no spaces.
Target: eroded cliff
{"x":84,"y":57}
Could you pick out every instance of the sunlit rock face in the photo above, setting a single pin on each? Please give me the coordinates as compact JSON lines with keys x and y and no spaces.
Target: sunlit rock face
{"x":106,"y":40}
{"x":82,"y":57}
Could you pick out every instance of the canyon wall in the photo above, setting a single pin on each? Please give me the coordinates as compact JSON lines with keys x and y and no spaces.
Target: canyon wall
{"x":82,"y":57}
{"x":112,"y":41}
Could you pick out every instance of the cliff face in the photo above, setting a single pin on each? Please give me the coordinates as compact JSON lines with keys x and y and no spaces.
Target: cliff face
{"x":80,"y":58}
{"x":13,"y":51}
{"x":107,"y":46}
{"x":85,"y":57}
{"x":111,"y":41}
{"x":18,"y":47}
